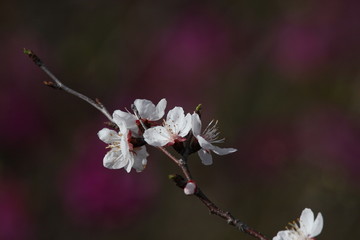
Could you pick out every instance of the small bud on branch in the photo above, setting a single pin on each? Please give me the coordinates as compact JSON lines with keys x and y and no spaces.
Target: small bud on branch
{"x":190,"y":188}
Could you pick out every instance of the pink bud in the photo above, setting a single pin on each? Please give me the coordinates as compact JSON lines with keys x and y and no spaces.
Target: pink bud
{"x":190,"y":188}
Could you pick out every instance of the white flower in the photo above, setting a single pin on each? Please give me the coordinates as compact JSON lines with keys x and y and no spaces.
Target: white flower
{"x":209,"y":136}
{"x":175,"y":128}
{"x":122,"y":154}
{"x":147,"y":111}
{"x":307,"y":229}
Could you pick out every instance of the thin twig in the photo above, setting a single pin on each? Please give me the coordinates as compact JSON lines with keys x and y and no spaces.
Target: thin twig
{"x":57,"y":84}
{"x":180,"y":162}
{"x":230,"y":219}
{"x":213,"y":209}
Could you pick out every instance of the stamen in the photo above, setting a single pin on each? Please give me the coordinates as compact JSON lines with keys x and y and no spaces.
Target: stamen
{"x":211,"y":133}
{"x":115,"y":146}
{"x":296,"y":232}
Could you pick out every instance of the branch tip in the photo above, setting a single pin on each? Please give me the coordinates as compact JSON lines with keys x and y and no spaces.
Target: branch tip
{"x":33,"y":57}
{"x":27,"y":51}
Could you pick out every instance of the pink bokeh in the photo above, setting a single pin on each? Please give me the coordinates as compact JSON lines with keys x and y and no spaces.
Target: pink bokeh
{"x":331,"y":137}
{"x":188,"y":54}
{"x":21,"y":114}
{"x":300,"y":48}
{"x":15,"y":220}
{"x":266,"y":147}
{"x":315,"y":39}
{"x":98,"y":197}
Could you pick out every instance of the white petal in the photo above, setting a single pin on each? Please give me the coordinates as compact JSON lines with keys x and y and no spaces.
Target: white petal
{"x":140,"y":160}
{"x":218,"y":150}
{"x":186,"y":126}
{"x":223,"y":151}
{"x":114,"y":160}
{"x":277,"y":238}
{"x":175,"y":119}
{"x":157,"y":136}
{"x":306,"y":221}
{"x":144,"y":107}
{"x":204,"y":144}
{"x":148,"y":110}
{"x":318,"y":225}
{"x":124,"y":146}
{"x":205,"y":157}
{"x":128,"y":118}
{"x":121,"y":124}
{"x":160,"y":110}
{"x":130,"y":164}
{"x":118,"y":119}
{"x":284,"y":235}
{"x":196,"y":124}
{"x":108,"y":136}
{"x":175,"y":113}
{"x":109,"y":159}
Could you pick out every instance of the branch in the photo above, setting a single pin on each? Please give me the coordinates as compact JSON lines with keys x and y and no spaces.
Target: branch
{"x":57,"y":84}
{"x":230,"y":219}
{"x":182,"y":163}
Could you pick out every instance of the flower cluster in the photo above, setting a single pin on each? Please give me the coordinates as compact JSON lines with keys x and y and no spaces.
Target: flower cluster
{"x":144,"y":127}
{"x":307,"y":229}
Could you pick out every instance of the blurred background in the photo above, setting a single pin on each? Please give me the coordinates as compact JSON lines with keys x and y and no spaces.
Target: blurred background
{"x":282,"y":78}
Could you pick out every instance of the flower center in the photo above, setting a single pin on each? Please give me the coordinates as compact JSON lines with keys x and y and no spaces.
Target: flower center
{"x":171,"y":128}
{"x":115,"y":146}
{"x":297,"y":233}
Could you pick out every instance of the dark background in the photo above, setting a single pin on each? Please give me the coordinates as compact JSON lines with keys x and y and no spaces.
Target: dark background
{"x":282,"y":78}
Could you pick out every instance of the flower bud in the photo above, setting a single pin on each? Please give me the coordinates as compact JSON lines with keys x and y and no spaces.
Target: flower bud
{"x":190,"y":188}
